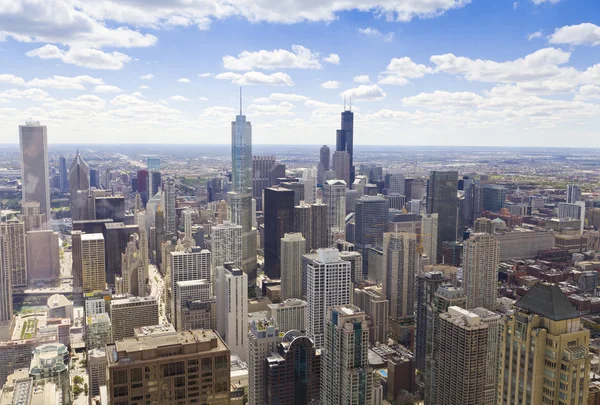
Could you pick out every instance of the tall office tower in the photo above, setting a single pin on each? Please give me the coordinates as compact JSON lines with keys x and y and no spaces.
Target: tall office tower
{"x":323,"y":166}
{"x":395,"y":183}
{"x":116,"y":236}
{"x":345,"y":140}
{"x":63,"y":175}
{"x":356,"y":264}
{"x":293,"y":371}
{"x":573,"y":193}
{"x":460,"y":353}
{"x":6,"y":304}
{"x":334,"y":195}
{"x":126,"y":314}
{"x":109,"y":207}
{"x":159,"y":233}
{"x":442,"y":200}
{"x":309,"y":180}
{"x":341,"y":165}
{"x":222,"y":212}
{"x":192,"y":264}
{"x":346,"y":376}
{"x":427,"y":285}
{"x":303,"y":223}
{"x":279,"y":220}
{"x":481,"y":258}
{"x":241,"y":214}
{"x":79,"y":181}
{"x":319,"y":226}
{"x":293,"y":246}
{"x":377,"y":307}
{"x":77,"y":267}
{"x":232,"y":308}
{"x":93,"y":268}
{"x":94,"y":178}
{"x":188,"y":219}
{"x":96,"y":368}
{"x":13,"y":231}
{"x":263,"y":340}
{"x":546,"y":334}
{"x":401,"y":263}
{"x":169,"y":199}
{"x":473,"y":204}
{"x":297,"y":188}
{"x":30,"y":214}
{"x":289,"y":314}
{"x":371,"y":221}
{"x":133,"y":276}
{"x":226,"y":244}
{"x":429,"y":236}
{"x":43,"y":256}
{"x":328,"y":283}
{"x":140,"y":221}
{"x":169,"y":368}
{"x":154,"y":179}
{"x":493,"y":197}
{"x":241,"y":153}
{"x":142,"y":185}
{"x":34,"y":167}
{"x":261,"y":177}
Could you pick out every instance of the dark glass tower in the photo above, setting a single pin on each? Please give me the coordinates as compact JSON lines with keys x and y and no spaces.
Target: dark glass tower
{"x":345,"y":139}
{"x":442,"y":199}
{"x":371,"y":222}
{"x":279,"y":220}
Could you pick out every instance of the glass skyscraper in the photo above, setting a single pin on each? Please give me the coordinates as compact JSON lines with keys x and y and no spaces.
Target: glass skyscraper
{"x":241,"y":154}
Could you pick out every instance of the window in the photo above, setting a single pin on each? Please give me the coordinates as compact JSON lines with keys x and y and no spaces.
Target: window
{"x":120,"y":377}
{"x":136,"y":374}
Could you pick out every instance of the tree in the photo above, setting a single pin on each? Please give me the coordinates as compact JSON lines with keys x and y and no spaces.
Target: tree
{"x":85,"y":389}
{"x":78,"y":379}
{"x":77,"y":390}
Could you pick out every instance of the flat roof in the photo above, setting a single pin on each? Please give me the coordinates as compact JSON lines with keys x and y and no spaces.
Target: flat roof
{"x":92,"y":236}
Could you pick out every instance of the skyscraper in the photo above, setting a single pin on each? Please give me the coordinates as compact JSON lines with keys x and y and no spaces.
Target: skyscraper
{"x":334,"y":195}
{"x":493,"y":197}
{"x":263,"y":340}
{"x":126,"y":314}
{"x":30,"y":214}
{"x":154,"y":179}
{"x":293,"y":371}
{"x":400,"y":261}
{"x":345,"y":140}
{"x":13,"y":231}
{"x":241,"y":153}
{"x":429,"y":236}
{"x":169,"y":203}
{"x":481,"y":258}
{"x":62,"y":174}
{"x":346,"y":376}
{"x":293,"y":246}
{"x":6,"y":304}
{"x":226,"y":244}
{"x":472,"y":206}
{"x":142,"y":185}
{"x":79,"y":181}
{"x":377,"y":307}
{"x":279,"y":220}
{"x":328,"y":284}
{"x":34,"y":166}
{"x":324,"y":157}
{"x":573,"y":193}
{"x":545,"y":334}
{"x":93,"y":269}
{"x":442,"y":200}
{"x":341,"y":165}
{"x":261,"y":177}
{"x":371,"y":221}
{"x":289,"y":314}
{"x":395,"y":184}
{"x":232,"y":308}
{"x":43,"y":257}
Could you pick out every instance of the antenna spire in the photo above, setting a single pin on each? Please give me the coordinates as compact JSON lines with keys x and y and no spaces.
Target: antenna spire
{"x":240,"y":100}
{"x":344,"y":103}
{"x":350,"y":108}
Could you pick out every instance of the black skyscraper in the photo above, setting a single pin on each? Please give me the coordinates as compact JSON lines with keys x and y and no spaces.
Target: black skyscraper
{"x":442,"y":199}
{"x":279,"y":220}
{"x":345,"y":139}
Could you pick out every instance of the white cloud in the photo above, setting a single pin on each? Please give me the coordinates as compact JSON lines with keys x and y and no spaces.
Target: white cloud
{"x":588,"y":92}
{"x":179,"y":98}
{"x":333,"y":58}
{"x":299,"y":58}
{"x":374,"y":32}
{"x":515,"y":5}
{"x":538,"y":2}
{"x":537,"y":34}
{"x":183,"y":80}
{"x":85,"y":102}
{"x":444,"y":99}
{"x":366,"y":93}
{"x":11,"y":79}
{"x":287,"y":97}
{"x":261,"y":100}
{"x":84,"y":57}
{"x":399,"y":70}
{"x":30,"y":94}
{"x":257,"y":78}
{"x":204,"y":74}
{"x":330,"y":84}
{"x":137,"y":94}
{"x":144,"y":87}
{"x":104,"y":88}
{"x":218,"y":112}
{"x":361,"y":79}
{"x":147,"y":77}
{"x":283,"y":108}
{"x":202,"y":99}
{"x":582,"y":34}
{"x":66,"y":83}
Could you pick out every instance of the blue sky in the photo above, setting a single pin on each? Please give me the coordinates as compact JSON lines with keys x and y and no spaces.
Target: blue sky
{"x":420,"y":72}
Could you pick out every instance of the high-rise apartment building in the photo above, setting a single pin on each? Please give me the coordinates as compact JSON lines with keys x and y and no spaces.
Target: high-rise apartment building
{"x":96,"y":368}
{"x":43,"y":256}
{"x":334,"y":195}
{"x":345,"y":140}
{"x":377,"y":307}
{"x":495,"y":323}
{"x":6,"y":303}
{"x":460,"y":353}
{"x":192,"y":264}
{"x":472,"y":206}
{"x":289,"y":314}
{"x":232,"y":308}
{"x":303,"y":223}
{"x":93,"y":268}
{"x":293,"y":371}
{"x":98,"y":331}
{"x":190,"y":367}
{"x":261,"y":177}
{"x":126,"y":314}
{"x":346,"y":376}
{"x":50,"y":364}
{"x":293,"y":246}
{"x":13,"y":231}
{"x":226,"y":244}
{"x":324,"y":158}
{"x":79,"y":185}
{"x":442,"y":200}
{"x":544,"y":351}
{"x":33,"y":141}
{"x":341,"y":165}
{"x":401,"y":263}
{"x":371,"y":221}
{"x":76,"y":253}
{"x":573,"y":193}
{"x":429,"y":236}
{"x":279,"y":220}
{"x":481,"y":258}
{"x":263,"y":339}
{"x":241,"y":214}
{"x":328,"y":284}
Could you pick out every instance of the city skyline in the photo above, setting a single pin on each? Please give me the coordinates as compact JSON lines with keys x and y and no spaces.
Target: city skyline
{"x":418,"y":74}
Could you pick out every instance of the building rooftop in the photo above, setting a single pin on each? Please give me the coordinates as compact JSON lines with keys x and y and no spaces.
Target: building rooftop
{"x":547,"y":300}
{"x":129,"y":300}
{"x":92,"y":236}
{"x":154,"y":330}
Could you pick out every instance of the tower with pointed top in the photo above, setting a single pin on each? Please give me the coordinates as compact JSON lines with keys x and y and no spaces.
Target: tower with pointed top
{"x":79,"y":185}
{"x":345,"y":138}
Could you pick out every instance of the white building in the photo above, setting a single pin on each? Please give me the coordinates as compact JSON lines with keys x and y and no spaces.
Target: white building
{"x":189,"y":291}
{"x":309,"y":179}
{"x":334,"y":195}
{"x":93,"y":268}
{"x":328,"y":284}
{"x":232,"y":308}
{"x":293,"y":246}
{"x":291,"y":314}
{"x":169,"y":200}
{"x":429,"y":231}
{"x":481,"y":258}
{"x":263,"y":339}
{"x":226,"y":239}
{"x":129,"y":313}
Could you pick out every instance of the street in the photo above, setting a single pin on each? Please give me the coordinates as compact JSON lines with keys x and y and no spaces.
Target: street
{"x":157,"y":286}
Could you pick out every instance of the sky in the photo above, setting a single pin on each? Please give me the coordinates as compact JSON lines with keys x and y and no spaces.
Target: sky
{"x":418,"y":72}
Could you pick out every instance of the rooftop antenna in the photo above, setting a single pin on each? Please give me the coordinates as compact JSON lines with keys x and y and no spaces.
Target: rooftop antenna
{"x":350,"y":109}
{"x":344,"y":103}
{"x":240,"y":100}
